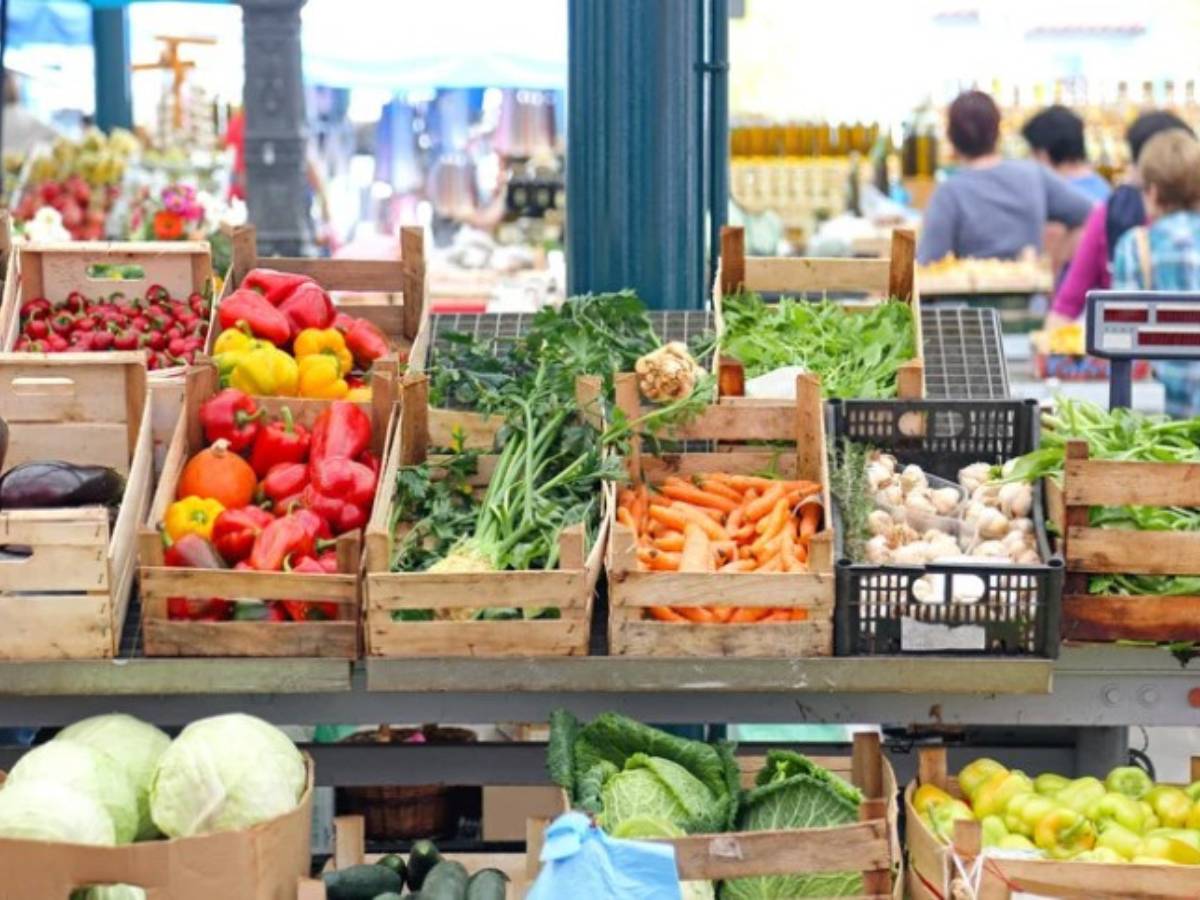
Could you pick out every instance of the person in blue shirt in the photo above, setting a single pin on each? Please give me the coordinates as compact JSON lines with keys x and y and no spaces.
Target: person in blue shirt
{"x":1056,"y":137}
{"x":1165,"y":254}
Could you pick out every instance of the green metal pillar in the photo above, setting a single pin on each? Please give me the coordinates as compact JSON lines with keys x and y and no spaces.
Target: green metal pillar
{"x":114,"y":94}
{"x":638,"y":121}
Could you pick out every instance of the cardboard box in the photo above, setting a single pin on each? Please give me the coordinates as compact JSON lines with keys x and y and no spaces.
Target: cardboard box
{"x":260,"y":863}
{"x":506,"y":810}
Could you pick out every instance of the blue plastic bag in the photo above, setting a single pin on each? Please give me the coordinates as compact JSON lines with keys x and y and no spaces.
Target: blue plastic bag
{"x":579,"y":860}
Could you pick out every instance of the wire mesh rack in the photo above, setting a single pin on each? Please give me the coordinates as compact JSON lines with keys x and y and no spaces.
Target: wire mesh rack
{"x":964,"y":355}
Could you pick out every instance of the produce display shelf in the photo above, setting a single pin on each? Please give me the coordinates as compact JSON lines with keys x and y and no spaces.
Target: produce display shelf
{"x":964,"y":354}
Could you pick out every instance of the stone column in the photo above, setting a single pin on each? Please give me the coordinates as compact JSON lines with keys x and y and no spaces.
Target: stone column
{"x":276,"y":139}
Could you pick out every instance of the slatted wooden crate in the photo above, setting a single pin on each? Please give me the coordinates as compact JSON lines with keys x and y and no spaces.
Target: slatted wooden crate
{"x":570,"y":587}
{"x":796,"y":276}
{"x":349,"y":837}
{"x":68,"y":598}
{"x":1088,"y":551}
{"x":54,"y":270}
{"x":165,"y":637}
{"x":933,"y":875}
{"x":390,"y":293}
{"x":734,"y":424}
{"x":871,"y":846}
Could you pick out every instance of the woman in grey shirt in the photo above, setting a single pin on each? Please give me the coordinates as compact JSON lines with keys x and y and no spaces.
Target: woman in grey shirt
{"x":993,"y":207}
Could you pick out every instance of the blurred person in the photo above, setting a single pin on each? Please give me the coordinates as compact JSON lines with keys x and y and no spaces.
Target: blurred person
{"x":993,"y":207}
{"x":22,"y":129}
{"x":1165,"y":254}
{"x":1090,"y":266}
{"x":1056,"y":137}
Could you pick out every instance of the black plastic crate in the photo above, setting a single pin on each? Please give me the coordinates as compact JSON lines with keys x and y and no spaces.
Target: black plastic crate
{"x":1020,"y":608}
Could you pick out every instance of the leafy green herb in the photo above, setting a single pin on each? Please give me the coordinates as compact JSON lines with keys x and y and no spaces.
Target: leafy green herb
{"x":848,"y":484}
{"x":856,"y":354}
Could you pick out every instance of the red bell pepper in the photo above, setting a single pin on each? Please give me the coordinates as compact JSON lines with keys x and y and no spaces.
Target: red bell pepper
{"x":370,"y":460}
{"x":345,"y":479}
{"x":308,"y":307}
{"x":194,"y":552}
{"x":235,"y":531}
{"x":232,"y":416}
{"x":263,"y":319}
{"x":282,"y":441}
{"x":308,"y":610}
{"x":274,"y":286}
{"x":366,"y":342}
{"x":284,"y":480}
{"x":340,"y":515}
{"x":328,"y":561}
{"x":341,"y":431}
{"x":286,"y":537}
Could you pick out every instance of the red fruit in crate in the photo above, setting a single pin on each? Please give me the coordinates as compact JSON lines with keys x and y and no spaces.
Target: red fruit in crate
{"x":72,"y":215}
{"x":63,"y":323}
{"x":37,"y":328}
{"x":95,"y":217}
{"x":86,"y":323}
{"x":124,"y":339}
{"x":139,"y":323}
{"x":81,"y":341}
{"x":83,"y":193}
{"x":102,"y":340}
{"x":75,"y":302}
{"x":50,"y":191}
{"x":155,"y":340}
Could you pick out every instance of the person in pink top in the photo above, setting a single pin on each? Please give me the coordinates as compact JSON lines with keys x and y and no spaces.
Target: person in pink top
{"x":1090,"y":266}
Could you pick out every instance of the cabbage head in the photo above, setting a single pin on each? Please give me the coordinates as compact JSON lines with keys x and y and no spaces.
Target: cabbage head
{"x":225,"y":773}
{"x":646,"y":827}
{"x":656,"y":788}
{"x":49,"y":811}
{"x":87,"y":771}
{"x":134,"y":745}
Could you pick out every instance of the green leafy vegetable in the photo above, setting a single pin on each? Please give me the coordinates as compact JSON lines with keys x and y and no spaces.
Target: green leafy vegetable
{"x":848,"y":483}
{"x":791,"y":791}
{"x":856,"y":354}
{"x":654,"y":787}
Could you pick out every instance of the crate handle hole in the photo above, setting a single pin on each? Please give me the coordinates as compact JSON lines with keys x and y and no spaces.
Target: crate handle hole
{"x":115,"y":272}
{"x":28,"y":386}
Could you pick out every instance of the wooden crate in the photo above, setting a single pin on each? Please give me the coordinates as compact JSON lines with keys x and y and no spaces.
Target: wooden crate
{"x":387,"y":292}
{"x":1111,"y":617}
{"x":732,"y":423}
{"x":349,"y":838}
{"x":68,"y":599}
{"x":932,"y":874}
{"x":871,"y":846}
{"x":54,"y":270}
{"x":878,"y":278}
{"x":570,"y":587}
{"x":334,"y":638}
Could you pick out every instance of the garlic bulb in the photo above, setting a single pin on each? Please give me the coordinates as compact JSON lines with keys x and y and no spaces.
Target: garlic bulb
{"x":886,"y":460}
{"x":879,"y":522}
{"x":878,"y":550}
{"x":915,"y":554}
{"x":913,"y":479}
{"x":892,"y":495}
{"x":974,"y":475}
{"x":1025,"y":526}
{"x":1028,"y":557}
{"x":990,"y":549}
{"x":878,"y":475}
{"x":944,"y":500}
{"x":992,"y":524}
{"x":919,"y":503}
{"x":1016,"y":499}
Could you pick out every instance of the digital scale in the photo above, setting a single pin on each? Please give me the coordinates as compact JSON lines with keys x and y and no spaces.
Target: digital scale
{"x":1123,"y":326}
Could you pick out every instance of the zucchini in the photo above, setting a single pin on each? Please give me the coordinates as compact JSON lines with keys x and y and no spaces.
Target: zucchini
{"x":487,"y":884}
{"x":446,"y":881}
{"x":395,"y":862}
{"x":361,"y":882}
{"x":421,"y":860}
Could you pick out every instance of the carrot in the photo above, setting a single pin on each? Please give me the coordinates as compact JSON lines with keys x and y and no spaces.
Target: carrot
{"x":747,"y":614}
{"x":671,"y":517}
{"x":799,"y":615}
{"x":626,"y":518}
{"x":745,"y":482}
{"x":734,"y":520}
{"x":655,"y":528}
{"x":745,"y":553}
{"x":672,"y":541}
{"x":722,"y":613}
{"x":720,"y":489}
{"x":810,"y":518}
{"x":715,"y":515}
{"x":722,"y":477}
{"x":696,"y":516}
{"x":787,"y":545}
{"x":658,"y":561}
{"x":778,"y":615}
{"x":768,"y":553}
{"x":697,"y":551}
{"x":738,"y":565}
{"x":764,"y":504}
{"x":665,"y":614}
{"x":660,"y":500}
{"x":772,"y":564}
{"x":772,"y":526}
{"x":697,"y":614}
{"x":727,"y":549}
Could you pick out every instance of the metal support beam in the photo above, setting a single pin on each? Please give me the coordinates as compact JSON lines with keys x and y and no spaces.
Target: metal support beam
{"x":276,"y":139}
{"x":635,"y":190}
{"x":1099,"y":750}
{"x":718,"y":131}
{"x":114,"y":92}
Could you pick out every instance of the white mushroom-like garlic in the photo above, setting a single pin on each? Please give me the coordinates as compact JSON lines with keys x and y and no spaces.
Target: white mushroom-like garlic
{"x":878,"y":550}
{"x":974,"y":475}
{"x":992,"y":524}
{"x":913,"y":479}
{"x":990,"y":549}
{"x":945,"y":500}
{"x":915,"y":554}
{"x":1028,"y":557}
{"x":879,"y":522}
{"x":892,"y":495}
{"x":1025,"y":526}
{"x":1016,"y":499}
{"x":878,"y":475}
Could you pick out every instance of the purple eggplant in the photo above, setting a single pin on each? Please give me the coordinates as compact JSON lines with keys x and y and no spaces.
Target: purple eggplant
{"x":55,"y":484}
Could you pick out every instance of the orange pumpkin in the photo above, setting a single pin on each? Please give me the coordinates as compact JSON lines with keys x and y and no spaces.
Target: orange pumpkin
{"x":220,"y":474}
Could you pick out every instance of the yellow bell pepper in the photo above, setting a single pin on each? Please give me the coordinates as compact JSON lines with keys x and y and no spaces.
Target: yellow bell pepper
{"x":940,"y":817}
{"x":1050,"y":784}
{"x":1100,"y":855}
{"x":1081,"y":793}
{"x":928,"y":794}
{"x":320,"y":378}
{"x":1118,"y":838}
{"x":1119,"y":808}
{"x":1170,"y":804}
{"x":993,"y":798}
{"x":975,"y":774}
{"x":1017,"y":842}
{"x":1024,"y":811}
{"x":358,"y":395}
{"x":192,"y":515}
{"x":1160,"y":848}
{"x":992,"y":831}
{"x":1064,"y":833}
{"x":230,"y":346}
{"x":1193,"y":819}
{"x":326,"y":341}
{"x":266,"y":372}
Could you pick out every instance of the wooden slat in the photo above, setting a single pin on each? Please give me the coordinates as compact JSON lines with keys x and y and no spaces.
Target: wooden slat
{"x":1102,"y":482}
{"x":415,"y":279}
{"x":55,"y":626}
{"x":804,"y":590}
{"x":342,"y":274}
{"x":657,"y":468}
{"x":1125,"y":550}
{"x":910,"y":379}
{"x":760,"y":639}
{"x":1090,"y":881}
{"x":549,"y":637}
{"x":57,"y":269}
{"x":738,"y":422}
{"x":337,"y":639}
{"x":741,"y":854}
{"x":810,"y":275}
{"x":349,"y":839}
{"x":478,"y":432}
{"x":732,"y":274}
{"x":902,"y":264}
{"x":471,"y":590}
{"x":169,"y":582}
{"x":1106,"y":617}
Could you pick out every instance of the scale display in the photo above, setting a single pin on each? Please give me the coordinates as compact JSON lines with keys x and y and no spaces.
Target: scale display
{"x":1126,"y":325}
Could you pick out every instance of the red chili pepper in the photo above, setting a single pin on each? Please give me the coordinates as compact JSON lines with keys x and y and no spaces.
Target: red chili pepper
{"x":63,"y":324}
{"x":282,"y":441}
{"x":75,"y":301}
{"x":284,"y":480}
{"x":263,"y":319}
{"x":288,"y":536}
{"x":340,"y":515}
{"x":366,"y":341}
{"x":235,"y":531}
{"x":343,"y":430}
{"x":194,"y":552}
{"x":308,"y":307}
{"x":37,"y":308}
{"x":308,"y":610}
{"x":274,"y":286}
{"x":345,"y":479}
{"x":56,"y":343}
{"x":156,"y":293}
{"x":232,"y":416}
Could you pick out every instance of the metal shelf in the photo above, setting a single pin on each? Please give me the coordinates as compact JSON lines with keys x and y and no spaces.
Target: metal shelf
{"x":964,"y":354}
